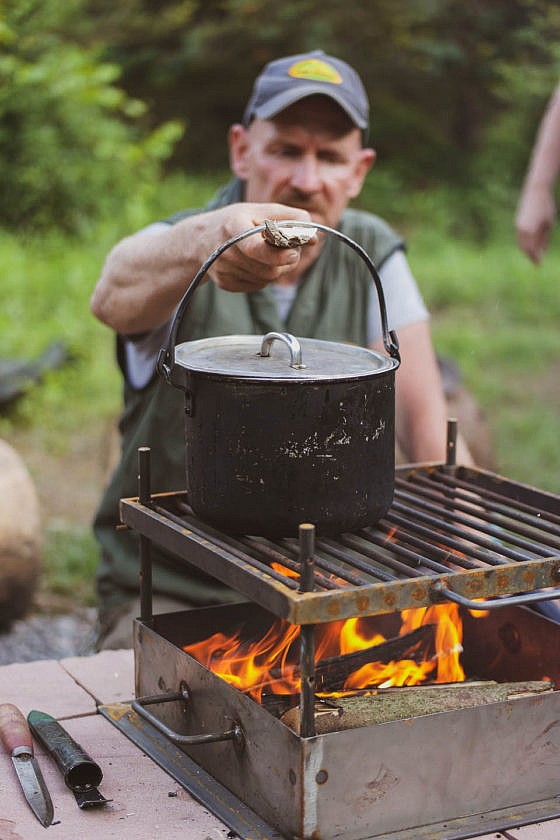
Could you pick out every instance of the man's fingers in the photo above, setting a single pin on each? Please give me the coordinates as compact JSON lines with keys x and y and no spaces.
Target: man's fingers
{"x":534,"y":243}
{"x":245,"y":272}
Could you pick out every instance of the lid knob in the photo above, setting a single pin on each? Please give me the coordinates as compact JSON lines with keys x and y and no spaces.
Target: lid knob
{"x":290,"y":341}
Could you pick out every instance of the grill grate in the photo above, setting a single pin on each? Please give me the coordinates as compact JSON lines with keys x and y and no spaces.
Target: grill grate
{"x":460,"y":529}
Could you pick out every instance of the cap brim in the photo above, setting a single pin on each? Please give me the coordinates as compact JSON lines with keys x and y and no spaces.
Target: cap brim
{"x":283,"y":100}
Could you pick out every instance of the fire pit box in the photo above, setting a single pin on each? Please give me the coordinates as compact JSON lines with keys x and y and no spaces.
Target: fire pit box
{"x":381,"y":779}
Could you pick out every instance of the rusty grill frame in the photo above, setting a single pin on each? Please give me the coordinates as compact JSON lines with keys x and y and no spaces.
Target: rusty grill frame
{"x":500,"y":538}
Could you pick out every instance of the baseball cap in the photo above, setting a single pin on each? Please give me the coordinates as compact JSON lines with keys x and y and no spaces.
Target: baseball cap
{"x":287,"y":80}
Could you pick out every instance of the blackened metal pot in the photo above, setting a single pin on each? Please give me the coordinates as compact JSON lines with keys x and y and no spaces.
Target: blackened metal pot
{"x":281,"y":431}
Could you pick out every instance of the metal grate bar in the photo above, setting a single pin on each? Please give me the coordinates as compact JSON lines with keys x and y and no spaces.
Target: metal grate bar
{"x":475,"y":534}
{"x":443,"y":539}
{"x":399,"y":546}
{"x":381,"y":553}
{"x":466,"y":529}
{"x":536,"y":513}
{"x":533,"y":526}
{"x":325,"y":571}
{"x":355,"y":559}
{"x":325,"y":551}
{"x":225,"y":542}
{"x":431,"y":552}
{"x":255,"y":550}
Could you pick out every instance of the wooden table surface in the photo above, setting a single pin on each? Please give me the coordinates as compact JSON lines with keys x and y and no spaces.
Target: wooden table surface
{"x":147,"y":803}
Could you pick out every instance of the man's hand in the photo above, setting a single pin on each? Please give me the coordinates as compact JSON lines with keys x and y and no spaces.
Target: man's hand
{"x":252,"y":263}
{"x":534,"y":221}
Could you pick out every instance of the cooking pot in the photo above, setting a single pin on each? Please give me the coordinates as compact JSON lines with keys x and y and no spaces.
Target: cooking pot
{"x":281,"y":430}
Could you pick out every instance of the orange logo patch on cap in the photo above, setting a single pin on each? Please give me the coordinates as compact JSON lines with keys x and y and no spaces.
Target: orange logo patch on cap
{"x":315,"y":70}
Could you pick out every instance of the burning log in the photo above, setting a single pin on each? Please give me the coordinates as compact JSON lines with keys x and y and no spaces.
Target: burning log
{"x":391,"y":704}
{"x":331,"y":674}
{"x":417,"y":646}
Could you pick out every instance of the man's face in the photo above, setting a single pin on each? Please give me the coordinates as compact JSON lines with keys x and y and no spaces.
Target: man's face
{"x":309,"y":156}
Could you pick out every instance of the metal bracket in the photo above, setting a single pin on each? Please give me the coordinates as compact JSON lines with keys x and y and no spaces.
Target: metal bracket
{"x":441,"y":593}
{"x":235,"y":734}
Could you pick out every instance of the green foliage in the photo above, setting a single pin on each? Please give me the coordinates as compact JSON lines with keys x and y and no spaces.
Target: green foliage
{"x":47,"y":282}
{"x":439,"y":73}
{"x":91,"y":91}
{"x":70,"y":559}
{"x":497,"y":316}
{"x":71,"y":142}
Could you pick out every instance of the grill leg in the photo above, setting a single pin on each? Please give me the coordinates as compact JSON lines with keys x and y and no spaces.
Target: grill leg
{"x":307,"y":635}
{"x":144,"y":497}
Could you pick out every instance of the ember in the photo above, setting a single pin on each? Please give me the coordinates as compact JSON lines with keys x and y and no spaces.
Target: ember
{"x":271,"y":662}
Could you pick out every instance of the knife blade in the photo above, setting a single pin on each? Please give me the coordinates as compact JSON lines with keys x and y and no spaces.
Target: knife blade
{"x":16,"y":737}
{"x":81,"y":773}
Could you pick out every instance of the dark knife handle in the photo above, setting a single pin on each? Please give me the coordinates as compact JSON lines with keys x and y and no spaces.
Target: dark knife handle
{"x":79,"y":770}
{"x":14,"y":731}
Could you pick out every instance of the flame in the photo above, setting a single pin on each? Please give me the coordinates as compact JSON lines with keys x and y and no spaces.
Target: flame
{"x":278,"y":567}
{"x":272,"y":661}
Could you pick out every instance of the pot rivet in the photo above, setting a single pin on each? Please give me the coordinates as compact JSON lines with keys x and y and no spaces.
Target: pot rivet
{"x":321,"y":777}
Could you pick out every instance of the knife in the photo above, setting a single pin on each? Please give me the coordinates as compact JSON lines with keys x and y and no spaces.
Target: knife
{"x":16,"y":737}
{"x":81,"y":773}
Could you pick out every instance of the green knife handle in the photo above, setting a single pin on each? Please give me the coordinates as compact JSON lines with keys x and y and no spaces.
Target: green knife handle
{"x":79,"y":770}
{"x":14,"y":731}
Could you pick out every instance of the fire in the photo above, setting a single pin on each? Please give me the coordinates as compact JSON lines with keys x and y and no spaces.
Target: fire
{"x":272,"y":662}
{"x":278,"y":567}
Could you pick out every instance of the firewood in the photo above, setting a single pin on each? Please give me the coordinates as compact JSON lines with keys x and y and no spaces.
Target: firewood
{"x":418,"y":645}
{"x":331,"y":674}
{"x":387,"y":705}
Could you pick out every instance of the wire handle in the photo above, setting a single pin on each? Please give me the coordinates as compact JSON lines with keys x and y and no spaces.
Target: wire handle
{"x":390,"y":342}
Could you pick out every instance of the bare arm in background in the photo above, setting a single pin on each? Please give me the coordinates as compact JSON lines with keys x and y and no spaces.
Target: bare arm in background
{"x":536,"y":211}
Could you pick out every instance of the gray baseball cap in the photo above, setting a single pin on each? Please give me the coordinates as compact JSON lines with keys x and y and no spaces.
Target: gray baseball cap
{"x":287,"y":80}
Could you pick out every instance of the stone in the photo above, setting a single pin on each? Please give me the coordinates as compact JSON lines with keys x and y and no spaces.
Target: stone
{"x":20,"y":536}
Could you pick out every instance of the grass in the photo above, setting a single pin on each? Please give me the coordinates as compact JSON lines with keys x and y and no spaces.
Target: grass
{"x":492,"y":311}
{"x":69,"y":562}
{"x":498,"y":316}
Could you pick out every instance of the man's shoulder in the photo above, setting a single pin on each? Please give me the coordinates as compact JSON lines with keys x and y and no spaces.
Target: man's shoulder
{"x":371,"y":232}
{"x":364,"y":221}
{"x":227,"y":194}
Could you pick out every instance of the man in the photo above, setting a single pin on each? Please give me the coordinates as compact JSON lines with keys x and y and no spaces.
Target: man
{"x":536,"y":212}
{"x":299,"y":155}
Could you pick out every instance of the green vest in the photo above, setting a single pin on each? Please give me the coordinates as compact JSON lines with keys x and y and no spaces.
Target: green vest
{"x":331,"y":303}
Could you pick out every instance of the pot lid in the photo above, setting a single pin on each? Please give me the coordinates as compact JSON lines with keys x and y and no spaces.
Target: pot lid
{"x":280,"y":357}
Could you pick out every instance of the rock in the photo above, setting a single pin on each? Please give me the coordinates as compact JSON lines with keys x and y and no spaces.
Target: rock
{"x":20,"y":536}
{"x":49,"y":637}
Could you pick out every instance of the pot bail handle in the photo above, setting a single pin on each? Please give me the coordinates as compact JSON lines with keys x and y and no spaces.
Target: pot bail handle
{"x":290,"y":341}
{"x":165,"y":362}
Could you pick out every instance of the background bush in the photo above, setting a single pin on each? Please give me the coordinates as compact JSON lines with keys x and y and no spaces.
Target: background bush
{"x":97,"y":96}
{"x":70,"y":144}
